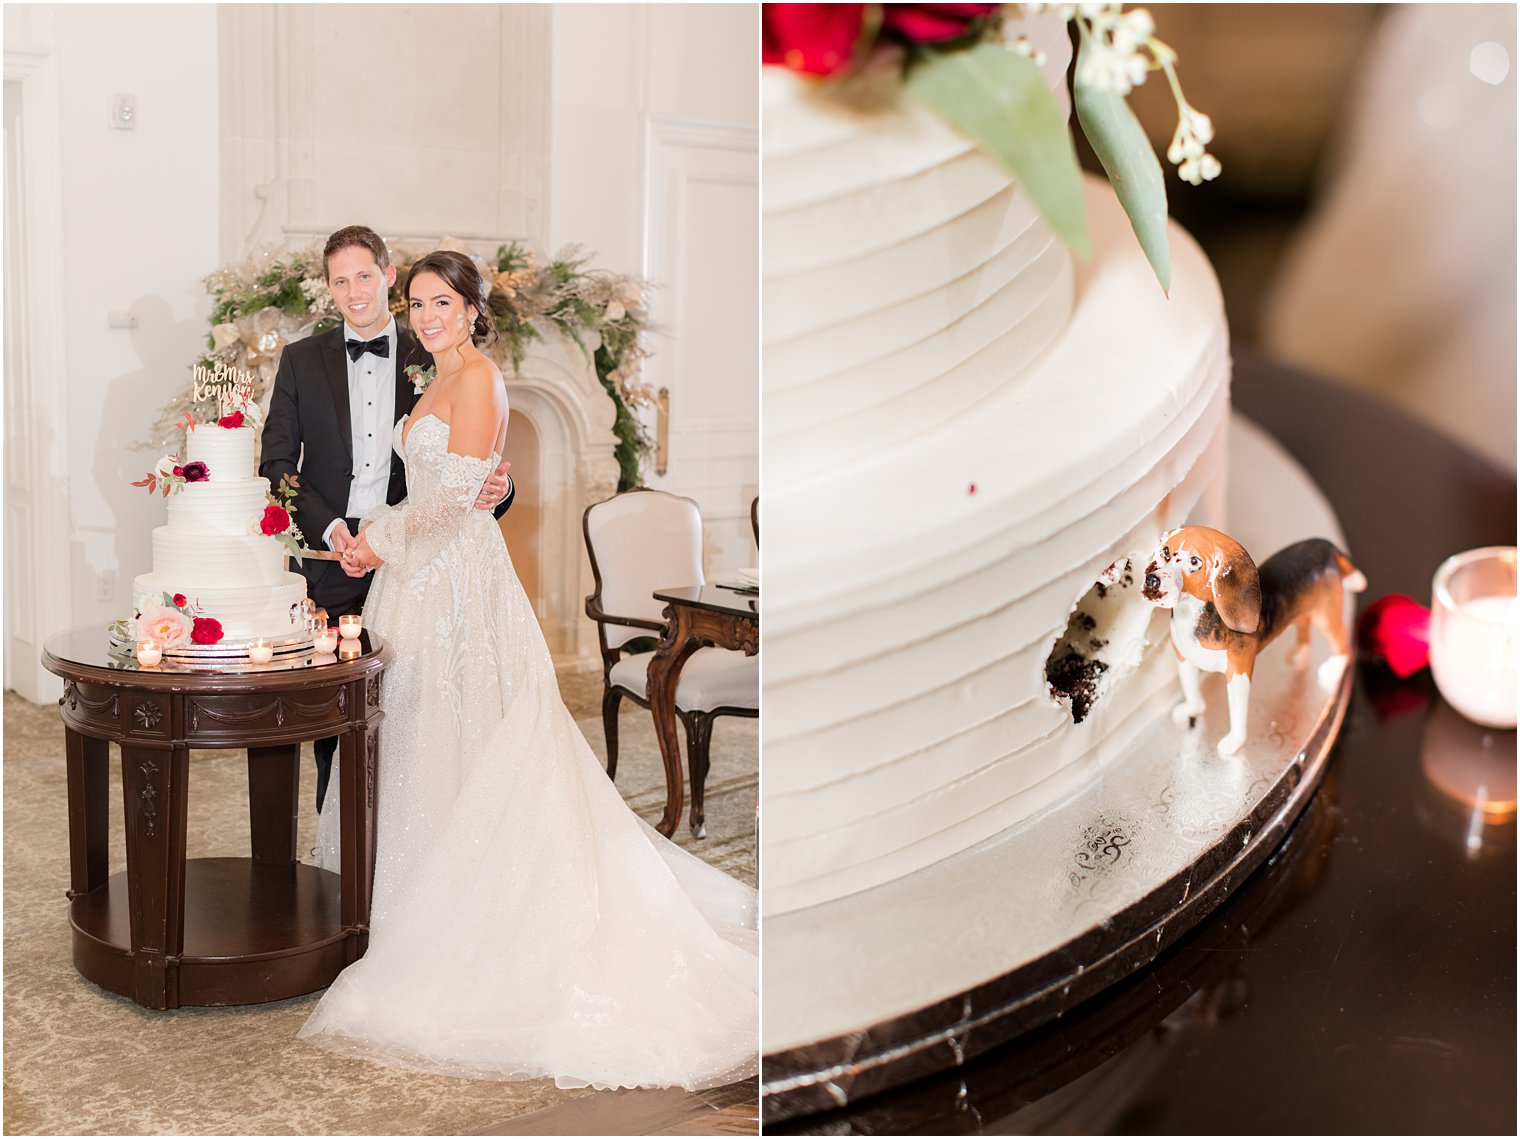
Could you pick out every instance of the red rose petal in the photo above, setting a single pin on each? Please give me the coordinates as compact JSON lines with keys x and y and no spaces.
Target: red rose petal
{"x":1396,"y":630}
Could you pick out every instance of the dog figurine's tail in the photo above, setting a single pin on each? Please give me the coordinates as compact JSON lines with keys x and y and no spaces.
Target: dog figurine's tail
{"x":1352,"y":579}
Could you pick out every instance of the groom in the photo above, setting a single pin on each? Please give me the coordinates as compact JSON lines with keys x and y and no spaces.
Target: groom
{"x":337,"y":396}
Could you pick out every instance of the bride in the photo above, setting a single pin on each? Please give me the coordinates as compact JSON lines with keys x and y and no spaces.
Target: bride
{"x":525,"y":922}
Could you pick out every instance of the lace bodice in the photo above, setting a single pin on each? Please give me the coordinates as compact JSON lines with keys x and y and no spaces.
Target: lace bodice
{"x":441,"y":492}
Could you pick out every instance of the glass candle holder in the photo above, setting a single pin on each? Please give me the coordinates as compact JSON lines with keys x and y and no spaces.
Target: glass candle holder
{"x":350,"y":650}
{"x":326,"y":640}
{"x":350,"y":626}
{"x":1474,"y":622}
{"x":261,"y":651}
{"x":149,"y":653}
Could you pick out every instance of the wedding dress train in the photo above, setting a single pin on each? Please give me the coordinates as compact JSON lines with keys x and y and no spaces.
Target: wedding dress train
{"x":525,"y":922}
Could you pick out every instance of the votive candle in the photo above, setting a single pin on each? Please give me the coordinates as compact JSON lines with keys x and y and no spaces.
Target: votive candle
{"x":149,"y":653}
{"x":350,"y":650}
{"x":1474,"y":628}
{"x":261,"y":651}
{"x":326,"y":640}
{"x":350,"y":626}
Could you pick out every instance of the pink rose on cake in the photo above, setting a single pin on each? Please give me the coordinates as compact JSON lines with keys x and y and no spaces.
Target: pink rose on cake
{"x":168,"y":627}
{"x":207,"y":631}
{"x":276,"y":520}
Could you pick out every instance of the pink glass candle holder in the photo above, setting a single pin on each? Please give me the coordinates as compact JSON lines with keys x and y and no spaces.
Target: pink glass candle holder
{"x":350,"y":626}
{"x":1474,"y":623}
{"x":149,"y":653}
{"x":325,"y":640}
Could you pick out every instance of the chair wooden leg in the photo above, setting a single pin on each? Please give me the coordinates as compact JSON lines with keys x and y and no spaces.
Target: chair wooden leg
{"x":610,"y":701}
{"x":698,"y":738}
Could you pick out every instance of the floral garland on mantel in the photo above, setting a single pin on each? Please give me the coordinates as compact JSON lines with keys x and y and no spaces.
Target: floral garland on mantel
{"x":276,"y":297}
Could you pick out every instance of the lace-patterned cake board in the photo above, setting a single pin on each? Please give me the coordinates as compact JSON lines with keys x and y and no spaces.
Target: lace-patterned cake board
{"x":918,"y":975}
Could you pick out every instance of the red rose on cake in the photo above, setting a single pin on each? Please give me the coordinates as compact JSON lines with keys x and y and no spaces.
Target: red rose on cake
{"x":824,"y":39}
{"x":818,"y":39}
{"x":179,"y":599}
{"x":196,"y":472}
{"x":276,"y":520}
{"x":234,"y":420}
{"x":932,"y":23}
{"x":207,"y":631}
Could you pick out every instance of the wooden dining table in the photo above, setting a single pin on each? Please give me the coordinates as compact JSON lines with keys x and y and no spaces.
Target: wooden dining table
{"x":695,"y":616}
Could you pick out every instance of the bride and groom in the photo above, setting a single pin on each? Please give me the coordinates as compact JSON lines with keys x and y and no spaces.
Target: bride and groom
{"x":524,"y":921}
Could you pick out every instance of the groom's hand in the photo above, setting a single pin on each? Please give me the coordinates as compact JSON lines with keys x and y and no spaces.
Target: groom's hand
{"x":494,"y":489}
{"x":342,"y":541}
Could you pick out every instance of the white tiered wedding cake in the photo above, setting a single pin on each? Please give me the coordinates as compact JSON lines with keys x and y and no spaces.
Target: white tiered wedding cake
{"x":966,"y":434}
{"x":213,"y":552}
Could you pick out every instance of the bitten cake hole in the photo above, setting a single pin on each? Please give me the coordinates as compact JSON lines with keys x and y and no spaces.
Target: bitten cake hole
{"x":1103,"y":642}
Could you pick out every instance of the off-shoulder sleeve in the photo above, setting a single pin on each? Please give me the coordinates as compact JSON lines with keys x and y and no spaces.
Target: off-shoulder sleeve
{"x":420,"y":527}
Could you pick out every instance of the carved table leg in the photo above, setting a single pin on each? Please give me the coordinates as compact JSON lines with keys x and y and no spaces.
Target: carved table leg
{"x":664,"y":678}
{"x":89,"y":796}
{"x":274,"y":779}
{"x":358,"y":772}
{"x":154,"y":801}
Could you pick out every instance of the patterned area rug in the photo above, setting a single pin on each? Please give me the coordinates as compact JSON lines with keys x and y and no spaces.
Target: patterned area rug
{"x":79,"y":1060}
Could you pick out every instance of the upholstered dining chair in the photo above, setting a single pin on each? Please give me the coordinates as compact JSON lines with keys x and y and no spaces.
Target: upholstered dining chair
{"x":640,"y":541}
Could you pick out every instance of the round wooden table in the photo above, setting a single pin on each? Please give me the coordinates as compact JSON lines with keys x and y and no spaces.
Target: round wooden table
{"x":214,"y":931}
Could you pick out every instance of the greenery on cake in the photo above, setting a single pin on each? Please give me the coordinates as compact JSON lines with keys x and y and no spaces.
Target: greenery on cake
{"x":957,"y":60}
{"x":274,"y":298}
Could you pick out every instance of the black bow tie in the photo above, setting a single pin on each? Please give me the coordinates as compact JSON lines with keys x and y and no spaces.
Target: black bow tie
{"x":380,"y":346}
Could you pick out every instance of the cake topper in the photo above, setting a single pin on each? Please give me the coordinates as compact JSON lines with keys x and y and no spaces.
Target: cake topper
{"x":232,"y":387}
{"x":1225,"y":610}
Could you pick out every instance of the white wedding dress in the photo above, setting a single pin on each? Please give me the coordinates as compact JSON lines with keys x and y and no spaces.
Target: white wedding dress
{"x":525,"y":922}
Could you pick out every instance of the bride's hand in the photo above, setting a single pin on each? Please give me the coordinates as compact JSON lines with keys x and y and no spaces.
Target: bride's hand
{"x":360,"y":554}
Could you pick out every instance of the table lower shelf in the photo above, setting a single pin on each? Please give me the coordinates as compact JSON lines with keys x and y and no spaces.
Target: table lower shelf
{"x":254,"y":932}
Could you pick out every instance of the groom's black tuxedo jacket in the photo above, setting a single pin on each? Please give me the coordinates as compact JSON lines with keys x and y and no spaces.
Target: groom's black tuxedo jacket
{"x":308,"y":431}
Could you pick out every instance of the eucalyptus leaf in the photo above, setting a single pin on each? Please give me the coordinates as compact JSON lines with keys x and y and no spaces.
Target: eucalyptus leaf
{"x":999,"y":98}
{"x":1133,"y":169}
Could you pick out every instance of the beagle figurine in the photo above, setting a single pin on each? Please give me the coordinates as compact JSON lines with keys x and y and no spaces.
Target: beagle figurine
{"x":1225,"y":610}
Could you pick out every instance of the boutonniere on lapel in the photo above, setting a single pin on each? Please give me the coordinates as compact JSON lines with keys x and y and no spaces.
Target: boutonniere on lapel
{"x":421,"y":377}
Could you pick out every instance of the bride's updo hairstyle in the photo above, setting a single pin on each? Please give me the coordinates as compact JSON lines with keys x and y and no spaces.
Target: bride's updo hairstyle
{"x":461,"y":275}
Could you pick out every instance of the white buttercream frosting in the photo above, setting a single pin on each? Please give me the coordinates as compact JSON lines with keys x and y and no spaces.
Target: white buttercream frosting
{"x":212,"y":550}
{"x":961,"y":435}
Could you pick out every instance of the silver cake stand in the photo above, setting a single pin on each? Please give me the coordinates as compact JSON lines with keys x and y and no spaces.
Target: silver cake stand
{"x":919,"y":975}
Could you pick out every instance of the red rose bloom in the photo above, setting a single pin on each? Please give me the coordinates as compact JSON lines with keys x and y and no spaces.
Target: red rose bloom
{"x":276,"y":520}
{"x":194,"y":472}
{"x":932,"y":23}
{"x":233,"y":420}
{"x":206,"y":631}
{"x":1396,"y":630}
{"x":817,"y":39}
{"x":178,"y":471}
{"x":179,"y":599}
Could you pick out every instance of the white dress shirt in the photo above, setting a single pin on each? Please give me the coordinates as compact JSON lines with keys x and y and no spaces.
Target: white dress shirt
{"x":371,"y":415}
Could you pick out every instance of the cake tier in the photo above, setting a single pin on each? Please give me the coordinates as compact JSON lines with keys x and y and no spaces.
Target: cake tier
{"x":226,"y":451}
{"x":231,"y":560}
{"x":244,"y":611}
{"x":220,"y":506}
{"x":906,"y":274}
{"x":913,"y":601}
